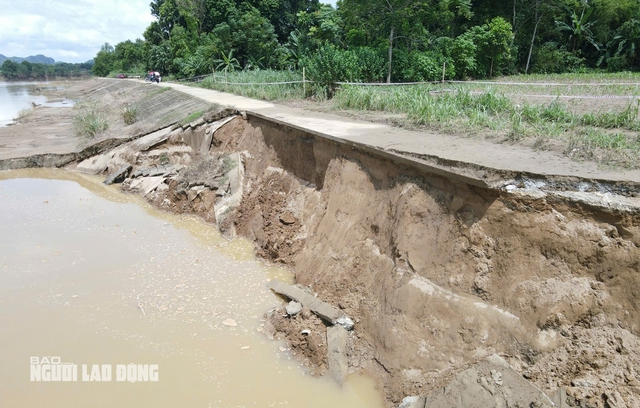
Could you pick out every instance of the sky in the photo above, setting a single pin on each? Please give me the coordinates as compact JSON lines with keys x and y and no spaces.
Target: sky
{"x":70,"y":30}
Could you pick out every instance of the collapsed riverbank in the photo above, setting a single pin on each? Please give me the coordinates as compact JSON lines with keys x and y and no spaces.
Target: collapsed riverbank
{"x":438,"y":269}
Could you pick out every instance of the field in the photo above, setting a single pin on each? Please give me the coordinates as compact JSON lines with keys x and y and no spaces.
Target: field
{"x":591,"y":117}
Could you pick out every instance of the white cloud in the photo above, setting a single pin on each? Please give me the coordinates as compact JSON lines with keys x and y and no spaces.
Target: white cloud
{"x":69,"y":30}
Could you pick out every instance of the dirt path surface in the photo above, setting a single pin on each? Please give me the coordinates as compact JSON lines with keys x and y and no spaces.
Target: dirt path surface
{"x":458,"y":151}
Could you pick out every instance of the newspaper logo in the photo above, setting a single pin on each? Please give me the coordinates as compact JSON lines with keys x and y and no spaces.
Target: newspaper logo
{"x":53,"y":369}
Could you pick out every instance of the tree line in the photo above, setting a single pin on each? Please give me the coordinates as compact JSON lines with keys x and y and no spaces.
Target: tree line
{"x":26,"y":70}
{"x":383,"y":40}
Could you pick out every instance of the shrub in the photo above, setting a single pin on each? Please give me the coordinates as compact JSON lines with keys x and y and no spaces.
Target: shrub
{"x":549,"y":59}
{"x":326,"y":68}
{"x":426,"y":66}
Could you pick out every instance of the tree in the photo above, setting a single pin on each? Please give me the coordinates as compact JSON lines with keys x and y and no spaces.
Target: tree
{"x":103,"y":62}
{"x":539,"y":9}
{"x":10,"y":69}
{"x":412,"y":21}
{"x":492,"y":44}
{"x":160,"y":57}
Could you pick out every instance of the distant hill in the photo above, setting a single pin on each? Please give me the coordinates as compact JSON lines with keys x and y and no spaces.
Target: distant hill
{"x":36,"y":59}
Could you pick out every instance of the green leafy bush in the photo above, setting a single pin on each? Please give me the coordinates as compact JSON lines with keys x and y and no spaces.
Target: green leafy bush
{"x":426,"y":66}
{"x":551,"y":59}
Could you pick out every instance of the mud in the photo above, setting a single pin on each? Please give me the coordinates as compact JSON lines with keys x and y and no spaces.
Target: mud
{"x":437,"y":272}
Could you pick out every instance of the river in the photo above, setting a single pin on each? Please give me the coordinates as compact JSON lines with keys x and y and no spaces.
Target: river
{"x":17,"y":96}
{"x":100,"y":280}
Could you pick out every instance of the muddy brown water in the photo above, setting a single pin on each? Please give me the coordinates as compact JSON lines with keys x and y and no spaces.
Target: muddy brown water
{"x":94,"y":276}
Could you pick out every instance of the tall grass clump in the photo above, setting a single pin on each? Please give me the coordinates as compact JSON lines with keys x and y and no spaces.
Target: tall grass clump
{"x":129,"y":114}
{"x":89,"y":123}
{"x":594,"y":138}
{"x":627,"y":118}
{"x":258,"y":84}
{"x":24,"y":114}
{"x":423,"y":106}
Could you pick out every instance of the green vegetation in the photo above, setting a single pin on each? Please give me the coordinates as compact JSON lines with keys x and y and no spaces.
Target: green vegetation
{"x":458,"y":110}
{"x":392,"y":41}
{"x":262,"y":84}
{"x":129,"y":114}
{"x":164,"y":158}
{"x":90,"y":122}
{"x":191,"y":117}
{"x":258,"y":42}
{"x":28,"y":70}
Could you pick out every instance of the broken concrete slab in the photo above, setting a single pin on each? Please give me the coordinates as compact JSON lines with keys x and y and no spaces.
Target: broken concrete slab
{"x":235,"y":177}
{"x":324,"y":310}
{"x":337,"y":344}
{"x":488,"y":384}
{"x":121,"y":155}
{"x":145,"y":185}
{"x":345,"y":322}
{"x":412,"y":402}
{"x":560,"y":398}
{"x":119,"y":175}
{"x":208,"y":136}
{"x":150,"y":141}
{"x":159,"y":170}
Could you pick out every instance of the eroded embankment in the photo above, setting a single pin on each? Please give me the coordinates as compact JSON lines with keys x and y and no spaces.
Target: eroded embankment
{"x":436,"y":273}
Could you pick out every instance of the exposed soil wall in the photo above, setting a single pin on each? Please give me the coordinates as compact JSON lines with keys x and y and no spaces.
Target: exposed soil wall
{"x":438,"y":274}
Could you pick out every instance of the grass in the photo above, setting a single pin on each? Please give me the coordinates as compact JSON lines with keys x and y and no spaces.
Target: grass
{"x":129,"y":114}
{"x":258,"y":78}
{"x":190,"y":118}
{"x":90,"y":122}
{"x":24,"y":114}
{"x":491,"y":113}
{"x":164,"y":158}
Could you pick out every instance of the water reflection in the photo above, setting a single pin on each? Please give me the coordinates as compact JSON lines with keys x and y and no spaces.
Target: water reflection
{"x":99,"y":277}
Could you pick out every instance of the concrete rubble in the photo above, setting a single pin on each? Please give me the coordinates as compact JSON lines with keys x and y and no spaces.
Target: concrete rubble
{"x":324,"y":310}
{"x":337,"y":345}
{"x":119,"y":175}
{"x":293,"y":308}
{"x":491,"y":383}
